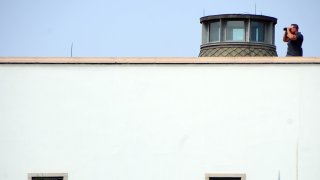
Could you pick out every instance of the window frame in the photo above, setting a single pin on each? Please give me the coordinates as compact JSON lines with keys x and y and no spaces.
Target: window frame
{"x":64,"y":175}
{"x":226,"y":175}
{"x":209,"y":30}
{"x":245,"y":30}
{"x":264,"y":31}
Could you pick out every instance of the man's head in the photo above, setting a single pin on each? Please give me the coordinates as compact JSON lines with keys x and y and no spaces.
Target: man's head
{"x":294,"y":28}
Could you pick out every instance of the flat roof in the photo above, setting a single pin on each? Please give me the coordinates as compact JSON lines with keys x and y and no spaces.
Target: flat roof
{"x":159,"y":60}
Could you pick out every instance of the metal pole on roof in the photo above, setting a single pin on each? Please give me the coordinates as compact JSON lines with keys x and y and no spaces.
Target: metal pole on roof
{"x":71,"y":49}
{"x":255,"y":8}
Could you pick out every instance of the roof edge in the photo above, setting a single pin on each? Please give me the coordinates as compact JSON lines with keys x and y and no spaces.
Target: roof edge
{"x":160,"y":60}
{"x":238,"y":16}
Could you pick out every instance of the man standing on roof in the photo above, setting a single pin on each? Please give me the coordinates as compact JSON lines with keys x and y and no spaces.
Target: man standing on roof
{"x":294,"y":40}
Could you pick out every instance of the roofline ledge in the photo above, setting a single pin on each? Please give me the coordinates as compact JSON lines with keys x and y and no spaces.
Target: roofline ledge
{"x":159,"y":60}
{"x":238,"y":16}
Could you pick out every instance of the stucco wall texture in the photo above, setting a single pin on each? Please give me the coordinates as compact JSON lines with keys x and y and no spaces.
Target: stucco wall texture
{"x":150,"y":118}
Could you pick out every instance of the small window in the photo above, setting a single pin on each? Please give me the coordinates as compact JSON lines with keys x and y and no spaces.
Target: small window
{"x":48,"y":176}
{"x":225,"y":177}
{"x":257,"y":31}
{"x":235,"y":31}
{"x":214,"y":34}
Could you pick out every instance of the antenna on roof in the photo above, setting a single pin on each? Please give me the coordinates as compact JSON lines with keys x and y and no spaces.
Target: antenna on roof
{"x":255,"y":8}
{"x":71,"y":49}
{"x":204,"y":11}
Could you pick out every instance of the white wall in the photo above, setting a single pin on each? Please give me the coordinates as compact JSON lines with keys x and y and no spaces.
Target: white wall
{"x":159,"y":122}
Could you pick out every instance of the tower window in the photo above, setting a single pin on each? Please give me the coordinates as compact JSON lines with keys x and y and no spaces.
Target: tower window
{"x":235,"y":31}
{"x":257,"y":31}
{"x":214,"y":34}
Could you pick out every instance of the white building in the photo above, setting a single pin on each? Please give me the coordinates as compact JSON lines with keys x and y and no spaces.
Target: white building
{"x":160,"y":118}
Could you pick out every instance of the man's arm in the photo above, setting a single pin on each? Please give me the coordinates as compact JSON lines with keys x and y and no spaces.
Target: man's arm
{"x":285,"y":37}
{"x":290,"y":35}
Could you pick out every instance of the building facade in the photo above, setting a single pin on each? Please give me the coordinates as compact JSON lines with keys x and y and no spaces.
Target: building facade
{"x":159,"y":118}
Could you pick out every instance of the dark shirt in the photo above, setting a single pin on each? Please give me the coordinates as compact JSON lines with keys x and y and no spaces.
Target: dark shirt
{"x":295,"y":46}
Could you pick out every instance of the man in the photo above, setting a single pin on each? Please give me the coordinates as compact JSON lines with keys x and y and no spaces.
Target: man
{"x":294,"y":40}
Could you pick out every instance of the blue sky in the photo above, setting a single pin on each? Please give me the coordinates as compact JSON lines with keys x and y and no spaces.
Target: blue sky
{"x":140,"y":28}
